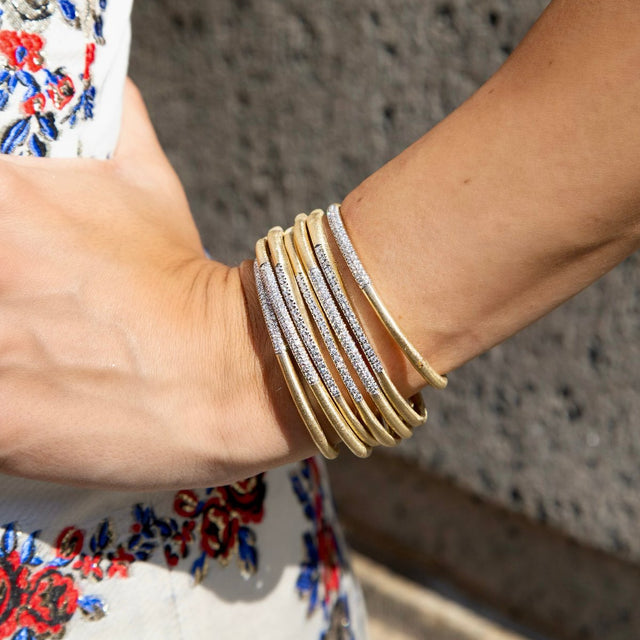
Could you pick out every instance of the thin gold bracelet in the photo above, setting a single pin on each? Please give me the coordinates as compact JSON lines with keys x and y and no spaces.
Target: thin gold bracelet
{"x":292,"y":263}
{"x":328,"y":264}
{"x":303,"y":246}
{"x":420,"y":364}
{"x":377,"y":429}
{"x":292,"y":381}
{"x":293,"y":301}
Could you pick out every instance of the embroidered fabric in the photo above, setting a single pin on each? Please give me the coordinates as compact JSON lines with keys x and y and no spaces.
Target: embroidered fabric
{"x":262,"y":558}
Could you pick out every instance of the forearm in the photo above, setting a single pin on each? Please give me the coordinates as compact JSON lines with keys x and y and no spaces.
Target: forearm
{"x":515,"y":202}
{"x":138,"y":348}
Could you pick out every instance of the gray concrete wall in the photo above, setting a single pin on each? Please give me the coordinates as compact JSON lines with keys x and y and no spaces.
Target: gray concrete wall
{"x":271,"y":107}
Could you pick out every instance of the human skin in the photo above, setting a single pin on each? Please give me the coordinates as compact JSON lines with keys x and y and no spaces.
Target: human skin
{"x":128,"y":360}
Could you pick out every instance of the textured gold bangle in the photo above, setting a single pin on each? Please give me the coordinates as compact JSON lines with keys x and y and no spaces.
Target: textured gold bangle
{"x":378,"y":431}
{"x":292,"y":381}
{"x":330,"y":270}
{"x":369,"y":380}
{"x":352,"y":420}
{"x":302,"y":296}
{"x":361,"y":276}
{"x":309,"y":338}
{"x":324,"y":389}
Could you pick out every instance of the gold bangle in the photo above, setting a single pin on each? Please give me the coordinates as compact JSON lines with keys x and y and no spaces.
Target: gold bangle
{"x":288,"y":371}
{"x":377,"y":432}
{"x":293,"y":300}
{"x":360,"y":275}
{"x":352,"y":420}
{"x":369,"y":380}
{"x":321,"y":244}
{"x":302,"y":296}
{"x":302,"y":359}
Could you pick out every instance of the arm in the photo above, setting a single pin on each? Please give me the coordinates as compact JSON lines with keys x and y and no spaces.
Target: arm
{"x":151,"y":366}
{"x":519,"y":199}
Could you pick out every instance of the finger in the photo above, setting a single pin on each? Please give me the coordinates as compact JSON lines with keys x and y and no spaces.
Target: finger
{"x":138,"y":142}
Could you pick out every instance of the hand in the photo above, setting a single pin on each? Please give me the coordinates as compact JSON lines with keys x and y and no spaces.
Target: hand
{"x":127,"y":359}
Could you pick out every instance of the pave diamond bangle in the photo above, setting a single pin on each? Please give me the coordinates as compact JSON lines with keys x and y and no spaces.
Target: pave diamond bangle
{"x":301,"y":358}
{"x":294,"y":385}
{"x":326,"y":390}
{"x":305,"y":304}
{"x":375,"y":427}
{"x":364,"y":282}
{"x":329,"y":294}
{"x":328,"y":266}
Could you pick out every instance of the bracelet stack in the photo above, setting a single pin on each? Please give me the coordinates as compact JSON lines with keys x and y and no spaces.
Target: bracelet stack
{"x":305,"y":305}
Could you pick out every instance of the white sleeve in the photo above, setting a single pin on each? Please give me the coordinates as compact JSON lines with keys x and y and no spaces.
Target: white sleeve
{"x":64,"y":63}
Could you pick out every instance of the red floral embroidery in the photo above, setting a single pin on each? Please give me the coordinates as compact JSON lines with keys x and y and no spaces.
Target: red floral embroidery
{"x":69,"y":543}
{"x":61,"y":91}
{"x":223,"y":519}
{"x":38,"y":599}
{"x":89,"y":566}
{"x":245,"y":499}
{"x":185,"y":503}
{"x":42,"y":91}
{"x":184,"y":537}
{"x":53,"y":599}
{"x":320,"y":577}
{"x":89,"y":59}
{"x":22,"y":49}
{"x":218,"y":530}
{"x":42,"y":600}
{"x":120,"y":561}
{"x":13,"y":595}
{"x":34,"y":104}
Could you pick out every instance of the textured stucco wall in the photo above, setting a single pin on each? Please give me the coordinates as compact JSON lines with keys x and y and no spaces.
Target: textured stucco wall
{"x":272,"y":107}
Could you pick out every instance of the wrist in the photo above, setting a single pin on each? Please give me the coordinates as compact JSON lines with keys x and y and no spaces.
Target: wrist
{"x":272,"y":428}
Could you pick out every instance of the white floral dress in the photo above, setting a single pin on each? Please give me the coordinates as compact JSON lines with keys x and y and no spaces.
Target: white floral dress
{"x":262,"y":558}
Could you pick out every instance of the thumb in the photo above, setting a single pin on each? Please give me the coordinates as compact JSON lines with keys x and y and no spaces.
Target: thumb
{"x":137,"y":142}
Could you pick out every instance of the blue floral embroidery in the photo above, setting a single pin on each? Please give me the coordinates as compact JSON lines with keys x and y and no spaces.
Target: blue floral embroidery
{"x":320,"y":577}
{"x":38,"y":598}
{"x":47,"y":97}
